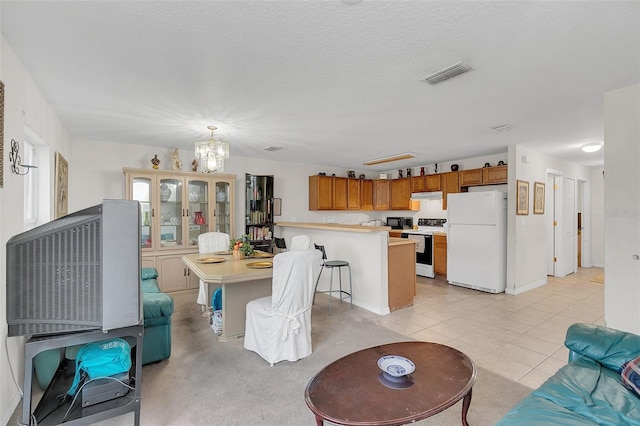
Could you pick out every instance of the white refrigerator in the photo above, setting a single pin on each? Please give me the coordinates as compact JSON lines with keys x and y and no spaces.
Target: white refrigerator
{"x":477,"y":240}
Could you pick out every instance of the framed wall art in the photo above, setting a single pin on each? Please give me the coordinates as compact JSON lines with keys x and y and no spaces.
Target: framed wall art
{"x":62,"y":186}
{"x":538,"y":198}
{"x":277,"y":206}
{"x":522,"y":197}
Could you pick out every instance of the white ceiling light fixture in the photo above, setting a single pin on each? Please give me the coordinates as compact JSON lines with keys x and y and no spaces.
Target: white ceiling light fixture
{"x":389,"y":159}
{"x":211,"y":153}
{"x":592,"y":147}
{"x":446,"y":73}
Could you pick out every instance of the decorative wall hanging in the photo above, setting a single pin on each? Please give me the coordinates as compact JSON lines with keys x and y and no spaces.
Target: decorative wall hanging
{"x":62,"y":186}
{"x":538,"y":198}
{"x":522,"y":197}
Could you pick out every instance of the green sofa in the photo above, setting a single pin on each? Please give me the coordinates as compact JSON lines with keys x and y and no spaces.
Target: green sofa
{"x":588,"y":390}
{"x":156,"y":342}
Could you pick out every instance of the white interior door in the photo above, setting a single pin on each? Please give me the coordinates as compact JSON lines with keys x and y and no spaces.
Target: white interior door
{"x":569,"y":242}
{"x":550,"y":209}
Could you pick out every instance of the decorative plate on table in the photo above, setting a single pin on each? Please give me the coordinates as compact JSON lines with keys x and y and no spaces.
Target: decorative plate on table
{"x":211,"y":260}
{"x":224,"y":253}
{"x":260,"y":265}
{"x":396,"y":365}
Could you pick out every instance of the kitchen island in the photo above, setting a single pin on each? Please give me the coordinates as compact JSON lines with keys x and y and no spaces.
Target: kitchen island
{"x":367,"y":249}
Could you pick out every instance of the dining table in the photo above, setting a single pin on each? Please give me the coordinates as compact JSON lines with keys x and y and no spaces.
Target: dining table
{"x":241,"y":281}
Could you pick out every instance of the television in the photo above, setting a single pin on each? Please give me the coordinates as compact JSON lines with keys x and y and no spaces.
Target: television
{"x":76,"y":273}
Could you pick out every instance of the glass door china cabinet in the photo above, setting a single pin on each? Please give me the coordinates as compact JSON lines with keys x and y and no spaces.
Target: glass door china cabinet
{"x":175,"y":208}
{"x":259,"y":211}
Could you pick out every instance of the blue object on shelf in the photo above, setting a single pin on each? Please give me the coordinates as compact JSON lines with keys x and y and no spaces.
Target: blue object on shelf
{"x":216,"y":300}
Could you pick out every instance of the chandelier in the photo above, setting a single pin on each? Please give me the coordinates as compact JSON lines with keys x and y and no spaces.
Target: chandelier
{"x":211,"y":153}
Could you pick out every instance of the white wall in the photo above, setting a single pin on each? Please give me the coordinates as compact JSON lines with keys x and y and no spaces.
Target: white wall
{"x":526,"y":235}
{"x":622,"y":208}
{"x":24,"y":105}
{"x":597,"y":216}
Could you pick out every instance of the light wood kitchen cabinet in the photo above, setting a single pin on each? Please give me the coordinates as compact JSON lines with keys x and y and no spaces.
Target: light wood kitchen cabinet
{"x":320,"y":192}
{"x":354,"y":194}
{"x":401,"y":274}
{"x":495,"y":175}
{"x":173,"y":274}
{"x":440,"y":254}
{"x":433,"y":183}
{"x":484,"y":176}
{"x":470,"y":177}
{"x":366,"y":188}
{"x":418,"y":184}
{"x":381,"y":196}
{"x":450,"y":185}
{"x":340,"y":193}
{"x":175,"y":208}
{"x":401,"y":194}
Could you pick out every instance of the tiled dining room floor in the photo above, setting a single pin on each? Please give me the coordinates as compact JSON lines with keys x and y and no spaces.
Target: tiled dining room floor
{"x":519,"y":337}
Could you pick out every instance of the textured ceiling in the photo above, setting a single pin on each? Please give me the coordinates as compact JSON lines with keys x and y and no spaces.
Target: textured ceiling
{"x":331,"y":82}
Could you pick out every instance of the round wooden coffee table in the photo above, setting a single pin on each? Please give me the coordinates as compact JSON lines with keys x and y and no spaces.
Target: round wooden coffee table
{"x":351,"y":390}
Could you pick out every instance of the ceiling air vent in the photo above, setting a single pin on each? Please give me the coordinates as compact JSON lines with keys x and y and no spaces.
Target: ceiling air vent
{"x":273,"y":148}
{"x":446,"y":73}
{"x":502,"y":127}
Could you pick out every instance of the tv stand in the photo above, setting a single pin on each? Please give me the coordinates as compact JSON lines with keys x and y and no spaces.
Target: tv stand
{"x":52,"y":410}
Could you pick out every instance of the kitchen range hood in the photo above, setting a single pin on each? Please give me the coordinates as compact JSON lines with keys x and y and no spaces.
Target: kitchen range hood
{"x":427,"y":195}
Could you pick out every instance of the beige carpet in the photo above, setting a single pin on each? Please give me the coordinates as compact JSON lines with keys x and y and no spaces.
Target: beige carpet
{"x":598,"y":278}
{"x":206,"y":382}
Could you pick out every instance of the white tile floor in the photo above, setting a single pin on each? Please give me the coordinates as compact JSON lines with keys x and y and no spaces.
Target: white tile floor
{"x":520,"y":337}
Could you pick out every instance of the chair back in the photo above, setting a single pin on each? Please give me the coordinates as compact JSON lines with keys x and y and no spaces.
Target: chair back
{"x":210,"y":242}
{"x":321,"y":248}
{"x":294,"y":276}
{"x":300,"y":242}
{"x":280,"y":243}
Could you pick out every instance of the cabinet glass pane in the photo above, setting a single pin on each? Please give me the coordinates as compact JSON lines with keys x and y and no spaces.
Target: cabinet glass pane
{"x":171,"y":212}
{"x":259,"y":210}
{"x":198,"y":210}
{"x":223,"y":207}
{"x":142,"y":192}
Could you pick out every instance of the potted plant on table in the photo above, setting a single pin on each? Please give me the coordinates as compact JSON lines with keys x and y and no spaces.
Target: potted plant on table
{"x":241,"y":247}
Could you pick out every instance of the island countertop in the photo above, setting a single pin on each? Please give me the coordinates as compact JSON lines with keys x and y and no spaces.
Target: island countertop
{"x":334,"y":226}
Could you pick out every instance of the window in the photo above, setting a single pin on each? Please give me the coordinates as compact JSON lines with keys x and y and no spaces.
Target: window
{"x":37,"y":192}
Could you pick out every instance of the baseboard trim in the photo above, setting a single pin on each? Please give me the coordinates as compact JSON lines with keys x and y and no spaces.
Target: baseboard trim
{"x":528,"y":287}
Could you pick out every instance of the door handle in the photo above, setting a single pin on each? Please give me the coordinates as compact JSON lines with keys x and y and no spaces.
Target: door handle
{"x":636,"y":257}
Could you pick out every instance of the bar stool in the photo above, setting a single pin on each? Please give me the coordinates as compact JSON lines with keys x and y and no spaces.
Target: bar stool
{"x":332,"y":264}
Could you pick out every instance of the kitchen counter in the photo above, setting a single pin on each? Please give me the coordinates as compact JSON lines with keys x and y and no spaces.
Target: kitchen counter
{"x":366,"y":248}
{"x":334,"y":226}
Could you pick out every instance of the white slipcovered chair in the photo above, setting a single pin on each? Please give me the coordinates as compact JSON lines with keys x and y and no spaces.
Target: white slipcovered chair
{"x":278,"y":327}
{"x":300,"y":242}
{"x":210,"y":242}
